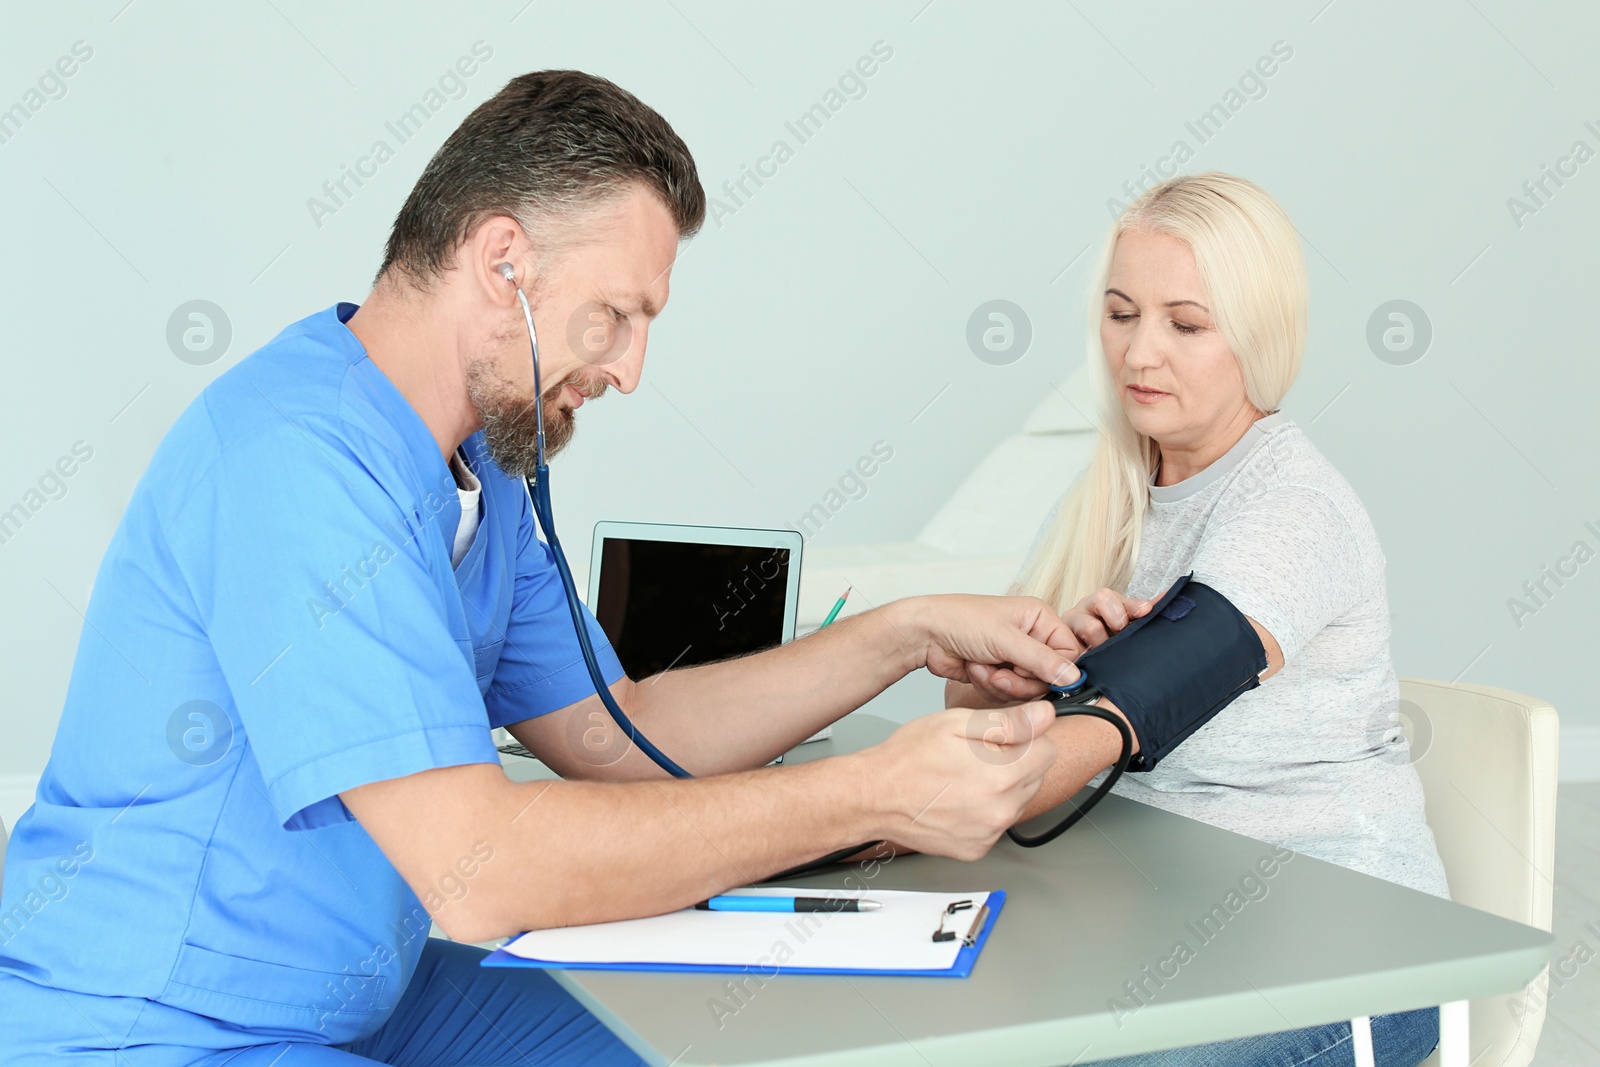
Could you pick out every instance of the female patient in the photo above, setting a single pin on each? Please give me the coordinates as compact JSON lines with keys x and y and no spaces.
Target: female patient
{"x":1200,"y":300}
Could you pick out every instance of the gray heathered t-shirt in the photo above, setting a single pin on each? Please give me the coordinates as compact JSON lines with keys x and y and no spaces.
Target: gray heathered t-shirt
{"x":1313,"y":759}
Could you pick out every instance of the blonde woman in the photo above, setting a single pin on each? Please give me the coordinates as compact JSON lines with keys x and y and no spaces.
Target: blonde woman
{"x":1198,"y":325}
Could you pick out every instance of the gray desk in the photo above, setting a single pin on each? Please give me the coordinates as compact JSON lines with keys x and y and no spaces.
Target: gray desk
{"x":1104,"y":905}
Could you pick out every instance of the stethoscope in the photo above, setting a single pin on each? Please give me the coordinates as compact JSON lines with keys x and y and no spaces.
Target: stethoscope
{"x":539,"y":495}
{"x":1067,"y":700}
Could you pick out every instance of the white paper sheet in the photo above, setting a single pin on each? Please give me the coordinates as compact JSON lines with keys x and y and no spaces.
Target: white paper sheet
{"x":898,"y":936}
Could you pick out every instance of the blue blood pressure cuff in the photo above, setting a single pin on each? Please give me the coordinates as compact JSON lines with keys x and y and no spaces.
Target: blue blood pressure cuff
{"x":1174,"y":668}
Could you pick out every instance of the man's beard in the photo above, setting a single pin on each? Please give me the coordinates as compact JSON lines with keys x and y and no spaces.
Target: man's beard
{"x":509,"y":422}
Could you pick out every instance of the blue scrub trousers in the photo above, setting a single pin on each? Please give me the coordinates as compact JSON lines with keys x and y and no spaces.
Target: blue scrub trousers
{"x":1404,"y":1039}
{"x":457,"y":1013}
{"x":452,"y":1014}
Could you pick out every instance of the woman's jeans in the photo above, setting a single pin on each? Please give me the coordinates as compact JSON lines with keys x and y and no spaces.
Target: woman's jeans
{"x":1401,"y":1040}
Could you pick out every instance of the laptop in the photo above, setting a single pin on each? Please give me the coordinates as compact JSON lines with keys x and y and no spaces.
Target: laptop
{"x":677,"y":596}
{"x":670,"y":596}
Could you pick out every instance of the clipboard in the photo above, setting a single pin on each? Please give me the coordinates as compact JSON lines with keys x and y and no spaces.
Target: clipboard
{"x":965,"y":959}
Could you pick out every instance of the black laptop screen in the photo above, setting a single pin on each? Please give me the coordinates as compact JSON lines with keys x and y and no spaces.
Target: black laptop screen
{"x":676,"y":604}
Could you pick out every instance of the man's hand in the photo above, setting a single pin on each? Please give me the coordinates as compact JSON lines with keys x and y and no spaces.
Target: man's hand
{"x":951,"y":783}
{"x":1008,"y":648}
{"x":569,"y":852}
{"x":1091,"y":621}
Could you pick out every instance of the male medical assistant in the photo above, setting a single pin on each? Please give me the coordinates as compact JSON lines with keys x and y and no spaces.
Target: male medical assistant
{"x":296,"y":522}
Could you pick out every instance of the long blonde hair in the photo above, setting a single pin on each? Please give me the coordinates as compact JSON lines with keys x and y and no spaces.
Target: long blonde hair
{"x":1248,"y":255}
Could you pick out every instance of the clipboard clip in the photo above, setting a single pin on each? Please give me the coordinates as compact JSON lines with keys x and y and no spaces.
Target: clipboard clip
{"x":956,"y":907}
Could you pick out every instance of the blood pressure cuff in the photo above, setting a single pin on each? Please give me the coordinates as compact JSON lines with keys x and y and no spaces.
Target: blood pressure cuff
{"x":1174,"y":668}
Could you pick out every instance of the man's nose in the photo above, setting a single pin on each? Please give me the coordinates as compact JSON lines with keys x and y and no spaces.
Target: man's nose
{"x":625,"y":371}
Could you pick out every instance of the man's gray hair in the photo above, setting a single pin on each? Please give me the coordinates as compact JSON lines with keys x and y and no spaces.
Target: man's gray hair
{"x":544,"y":148}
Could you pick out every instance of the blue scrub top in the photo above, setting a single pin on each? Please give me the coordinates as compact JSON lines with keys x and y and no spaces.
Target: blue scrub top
{"x":275,"y":621}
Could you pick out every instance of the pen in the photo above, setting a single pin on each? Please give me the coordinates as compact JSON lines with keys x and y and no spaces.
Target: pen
{"x":838,"y":606}
{"x":733,"y":903}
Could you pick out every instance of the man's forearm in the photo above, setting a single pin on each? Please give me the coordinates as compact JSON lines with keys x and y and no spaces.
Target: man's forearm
{"x":554,"y":853}
{"x":581,"y":852}
{"x":743,"y":713}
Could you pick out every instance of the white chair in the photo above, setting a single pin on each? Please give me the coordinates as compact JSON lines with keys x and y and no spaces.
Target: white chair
{"x":1487,"y":760}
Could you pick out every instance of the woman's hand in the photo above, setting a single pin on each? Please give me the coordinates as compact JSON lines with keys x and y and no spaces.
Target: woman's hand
{"x":1099,"y":615}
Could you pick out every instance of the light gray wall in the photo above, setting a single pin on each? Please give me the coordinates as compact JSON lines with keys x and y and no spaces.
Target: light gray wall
{"x":826,"y":310}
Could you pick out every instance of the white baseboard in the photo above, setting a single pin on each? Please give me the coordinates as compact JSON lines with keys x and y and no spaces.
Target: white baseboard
{"x":1580,"y":753}
{"x":16,"y":796}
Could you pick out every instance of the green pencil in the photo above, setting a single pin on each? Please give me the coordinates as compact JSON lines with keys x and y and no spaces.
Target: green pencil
{"x":837,"y":607}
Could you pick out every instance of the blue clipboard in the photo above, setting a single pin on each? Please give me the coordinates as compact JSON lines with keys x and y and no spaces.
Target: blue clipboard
{"x":961,"y":968}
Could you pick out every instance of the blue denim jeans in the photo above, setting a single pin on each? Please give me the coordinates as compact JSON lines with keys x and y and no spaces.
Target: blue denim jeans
{"x":1401,"y":1040}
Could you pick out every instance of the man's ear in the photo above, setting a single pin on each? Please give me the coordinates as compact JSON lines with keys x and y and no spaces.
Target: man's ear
{"x":496,"y":241}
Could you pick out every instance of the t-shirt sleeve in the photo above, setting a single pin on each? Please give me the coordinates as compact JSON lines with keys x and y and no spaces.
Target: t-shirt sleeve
{"x":324,"y":604}
{"x":541,"y":667}
{"x":1289,"y":559}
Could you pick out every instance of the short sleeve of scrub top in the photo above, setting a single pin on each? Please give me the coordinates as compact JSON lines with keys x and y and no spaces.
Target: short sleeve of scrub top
{"x":334,"y":691}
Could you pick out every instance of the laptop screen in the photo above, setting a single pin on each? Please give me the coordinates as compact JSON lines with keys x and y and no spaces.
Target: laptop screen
{"x":678,"y":603}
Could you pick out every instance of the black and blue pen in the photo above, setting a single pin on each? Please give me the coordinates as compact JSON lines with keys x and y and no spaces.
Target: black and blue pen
{"x":753,"y":903}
